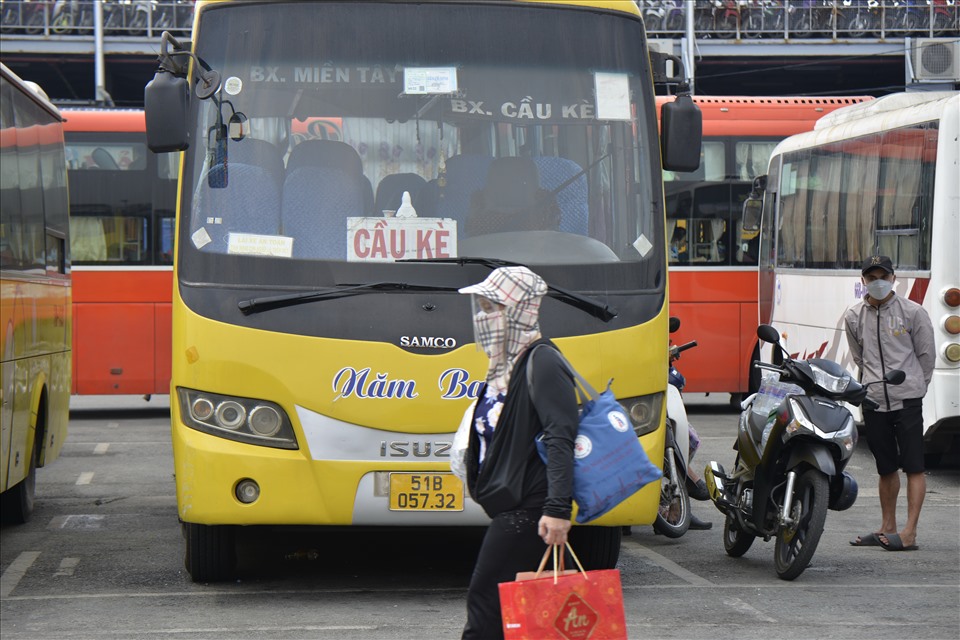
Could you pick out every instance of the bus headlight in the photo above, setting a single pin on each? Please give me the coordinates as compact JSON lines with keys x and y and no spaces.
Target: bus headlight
{"x":644,"y":412}
{"x":248,"y":420}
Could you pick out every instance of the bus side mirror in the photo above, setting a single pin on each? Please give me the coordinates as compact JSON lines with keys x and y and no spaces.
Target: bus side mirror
{"x":753,"y":206}
{"x":166,"y":100}
{"x":681,"y":133}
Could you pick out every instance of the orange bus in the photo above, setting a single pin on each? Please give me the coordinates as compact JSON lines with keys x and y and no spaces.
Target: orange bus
{"x":122,"y":199}
{"x":712,"y":265}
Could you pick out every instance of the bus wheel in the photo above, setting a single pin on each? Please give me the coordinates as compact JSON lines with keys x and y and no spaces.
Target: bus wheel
{"x":16,"y":504}
{"x":211,"y":554}
{"x":597,"y":547}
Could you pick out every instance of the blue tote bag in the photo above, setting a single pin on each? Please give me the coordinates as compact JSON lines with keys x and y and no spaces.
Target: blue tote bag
{"x":609,"y":463}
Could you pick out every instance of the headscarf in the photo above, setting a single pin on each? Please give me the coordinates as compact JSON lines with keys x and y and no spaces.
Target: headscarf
{"x":504,"y":334}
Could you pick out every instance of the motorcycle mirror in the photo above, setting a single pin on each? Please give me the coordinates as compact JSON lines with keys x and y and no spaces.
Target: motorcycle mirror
{"x":895,"y":376}
{"x":768,"y":333}
{"x":674,"y":324}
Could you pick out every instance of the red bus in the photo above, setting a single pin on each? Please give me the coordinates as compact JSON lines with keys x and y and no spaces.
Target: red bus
{"x":122,"y":201}
{"x":713,"y":266}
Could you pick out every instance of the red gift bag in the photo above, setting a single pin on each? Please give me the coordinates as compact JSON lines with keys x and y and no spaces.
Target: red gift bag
{"x":576,"y":606}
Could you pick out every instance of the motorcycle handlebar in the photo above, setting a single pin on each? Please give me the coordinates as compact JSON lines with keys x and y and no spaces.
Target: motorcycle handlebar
{"x":684,"y":347}
{"x":869,"y":405}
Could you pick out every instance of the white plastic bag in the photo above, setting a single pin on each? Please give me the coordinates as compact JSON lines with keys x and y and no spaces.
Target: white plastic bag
{"x":461,"y":440}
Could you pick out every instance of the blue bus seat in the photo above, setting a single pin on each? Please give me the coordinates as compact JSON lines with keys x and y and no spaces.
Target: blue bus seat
{"x":572,"y":199}
{"x":390,"y":192}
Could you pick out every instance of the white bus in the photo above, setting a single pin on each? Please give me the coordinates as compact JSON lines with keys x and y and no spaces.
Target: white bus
{"x":880,"y":177}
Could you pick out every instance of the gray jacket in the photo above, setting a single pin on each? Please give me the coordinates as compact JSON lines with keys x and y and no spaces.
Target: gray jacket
{"x":897,"y":335}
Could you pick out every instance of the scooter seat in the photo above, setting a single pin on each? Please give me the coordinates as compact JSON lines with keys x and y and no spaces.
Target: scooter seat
{"x":756,"y":423}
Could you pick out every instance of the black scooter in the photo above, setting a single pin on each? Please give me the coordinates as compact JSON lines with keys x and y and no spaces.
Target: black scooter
{"x":794,"y":440}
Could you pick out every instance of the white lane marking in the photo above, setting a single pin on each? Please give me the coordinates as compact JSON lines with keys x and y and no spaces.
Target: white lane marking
{"x":15,"y":572}
{"x":67,"y":567}
{"x":113,"y":425}
{"x":743,"y":607}
{"x":85,"y":478}
{"x":101,"y":448}
{"x":669,"y":565}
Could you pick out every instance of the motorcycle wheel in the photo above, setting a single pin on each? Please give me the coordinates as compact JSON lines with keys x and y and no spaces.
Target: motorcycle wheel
{"x":941,"y":24}
{"x":796,"y":545}
{"x":736,"y":541}
{"x":673,"y":515}
{"x":753,"y":26}
{"x":800,"y":26}
{"x":653,"y":24}
{"x":726,"y":27}
{"x":675,"y":22}
{"x":857,"y":26}
{"x":138,"y":25}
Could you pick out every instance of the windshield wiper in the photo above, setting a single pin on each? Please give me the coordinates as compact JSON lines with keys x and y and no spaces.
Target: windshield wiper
{"x":256,"y":305}
{"x":594,"y":307}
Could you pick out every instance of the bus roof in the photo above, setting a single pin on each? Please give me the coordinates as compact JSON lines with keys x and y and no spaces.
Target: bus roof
{"x":119,"y":120}
{"x":31,"y":89}
{"x":745,"y":116}
{"x":889,"y":112}
{"x":624,"y":6}
{"x":886,"y":104}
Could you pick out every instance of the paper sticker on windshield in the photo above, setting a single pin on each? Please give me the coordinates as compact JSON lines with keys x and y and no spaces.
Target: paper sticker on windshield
{"x":201,"y":238}
{"x":642,"y":245}
{"x":252,"y":244}
{"x":428,"y":80}
{"x":613,"y":96}
{"x":233,"y":85}
{"x":389,"y":239}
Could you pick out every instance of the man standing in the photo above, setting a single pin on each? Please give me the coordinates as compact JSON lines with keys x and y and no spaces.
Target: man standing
{"x":887,"y":332}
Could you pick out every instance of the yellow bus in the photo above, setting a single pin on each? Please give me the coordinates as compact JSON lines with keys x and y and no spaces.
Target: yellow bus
{"x":34,"y":291}
{"x":346,"y":167}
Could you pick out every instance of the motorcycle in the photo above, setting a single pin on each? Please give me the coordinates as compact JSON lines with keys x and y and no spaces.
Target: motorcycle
{"x":904,"y":16}
{"x":862,"y":17}
{"x":794,"y":440}
{"x":765,"y":17}
{"x":664,"y":16}
{"x":717,"y":17}
{"x":944,"y":19}
{"x":673,"y":515}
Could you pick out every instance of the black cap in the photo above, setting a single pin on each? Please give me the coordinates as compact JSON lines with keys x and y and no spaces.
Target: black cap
{"x":877,"y":262}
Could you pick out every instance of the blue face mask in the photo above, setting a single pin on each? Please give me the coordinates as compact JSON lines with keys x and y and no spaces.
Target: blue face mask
{"x":879,"y":289}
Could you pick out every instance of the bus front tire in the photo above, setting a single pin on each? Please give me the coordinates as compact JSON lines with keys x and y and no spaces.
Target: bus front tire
{"x":597,"y":547}
{"x":211,"y":554}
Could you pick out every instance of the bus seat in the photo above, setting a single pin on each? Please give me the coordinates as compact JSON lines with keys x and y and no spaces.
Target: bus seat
{"x":391,"y":188}
{"x":250,"y":203}
{"x":464,"y":175}
{"x":316,"y":204}
{"x":259,"y":153}
{"x":512,"y":200}
{"x":333,"y":154}
{"x":573,"y":198}
{"x":104,"y":160}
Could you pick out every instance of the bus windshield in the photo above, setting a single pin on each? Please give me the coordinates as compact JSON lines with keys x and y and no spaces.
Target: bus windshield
{"x":305,"y":153}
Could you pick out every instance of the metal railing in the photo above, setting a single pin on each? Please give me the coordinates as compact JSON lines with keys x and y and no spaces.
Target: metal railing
{"x":717,"y":19}
{"x":802,"y":19}
{"x":75,"y":18}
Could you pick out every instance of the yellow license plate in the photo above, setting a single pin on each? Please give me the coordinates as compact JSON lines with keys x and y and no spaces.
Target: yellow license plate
{"x":425,"y":492}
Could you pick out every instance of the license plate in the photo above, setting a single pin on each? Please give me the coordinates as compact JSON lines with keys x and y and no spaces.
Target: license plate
{"x":425,"y":492}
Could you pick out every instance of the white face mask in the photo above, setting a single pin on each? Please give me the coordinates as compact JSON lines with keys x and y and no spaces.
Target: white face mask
{"x":879,"y":289}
